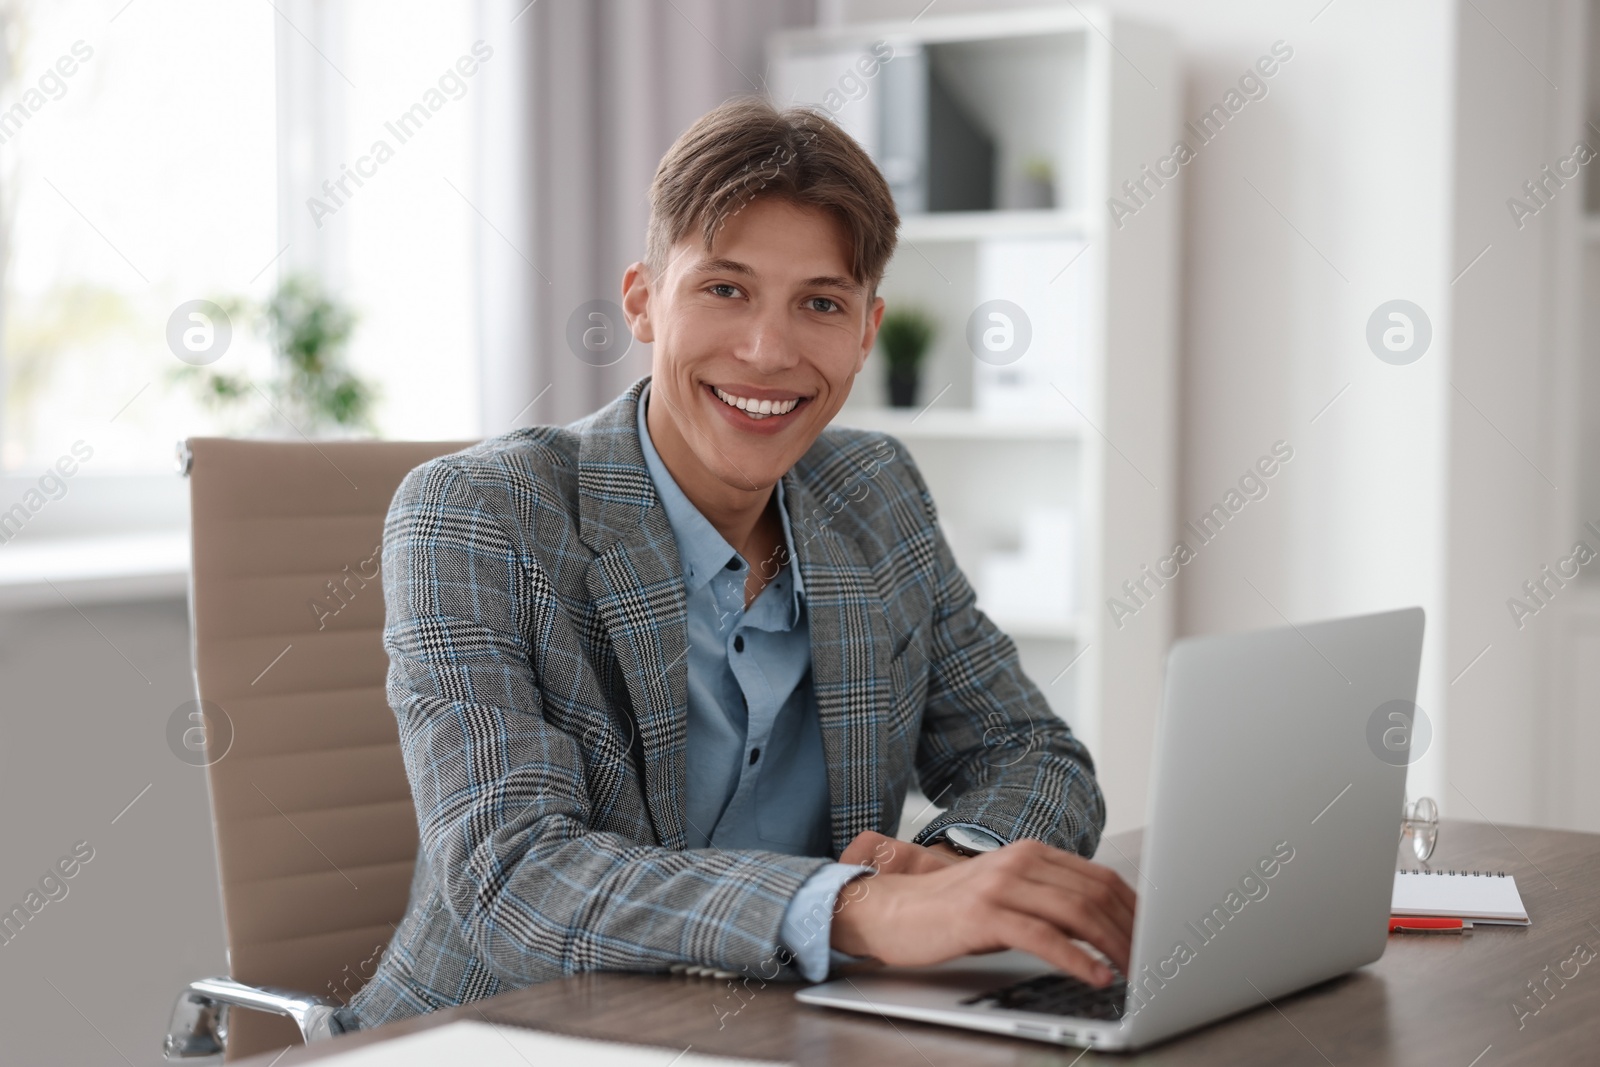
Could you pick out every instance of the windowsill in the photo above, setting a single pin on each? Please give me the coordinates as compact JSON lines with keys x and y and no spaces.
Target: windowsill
{"x":56,"y":572}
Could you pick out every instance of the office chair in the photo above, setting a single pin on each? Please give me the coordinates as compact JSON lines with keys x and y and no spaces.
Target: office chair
{"x":315,"y":831}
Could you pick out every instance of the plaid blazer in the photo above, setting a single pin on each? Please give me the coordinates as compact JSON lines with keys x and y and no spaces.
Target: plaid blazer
{"x":537,"y":666}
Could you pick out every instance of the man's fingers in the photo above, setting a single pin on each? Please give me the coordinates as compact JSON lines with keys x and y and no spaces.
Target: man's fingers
{"x":1118,"y":885}
{"x":1072,"y":914}
{"x":1100,"y":872}
{"x":1066,"y":873}
{"x":1104,"y":900}
{"x":1038,"y":938}
{"x":1124,"y":891}
{"x":1072,"y":871}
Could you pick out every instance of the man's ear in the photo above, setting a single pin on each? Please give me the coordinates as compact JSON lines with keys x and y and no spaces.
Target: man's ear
{"x":636,"y":282}
{"x":869,"y":336}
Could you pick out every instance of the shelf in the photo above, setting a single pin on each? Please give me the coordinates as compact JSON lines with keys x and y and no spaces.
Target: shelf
{"x":977,"y":225}
{"x":960,"y":425}
{"x":1023,"y":629}
{"x":969,"y":26}
{"x":94,"y":570}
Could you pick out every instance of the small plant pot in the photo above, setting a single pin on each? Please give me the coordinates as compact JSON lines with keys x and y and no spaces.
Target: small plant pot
{"x":1030,"y":192}
{"x":902,"y":388}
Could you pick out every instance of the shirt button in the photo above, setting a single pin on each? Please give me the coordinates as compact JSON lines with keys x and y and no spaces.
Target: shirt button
{"x":755,"y":754}
{"x":733,"y":564}
{"x":738,"y":643}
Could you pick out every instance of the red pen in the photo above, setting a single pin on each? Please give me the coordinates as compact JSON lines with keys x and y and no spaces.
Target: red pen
{"x":1424,"y":924}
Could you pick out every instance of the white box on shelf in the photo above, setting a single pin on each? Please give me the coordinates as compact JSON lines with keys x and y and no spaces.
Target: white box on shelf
{"x":1049,"y":543}
{"x":1003,"y":585}
{"x":1033,"y":585}
{"x":836,"y":80}
{"x":1027,"y":330}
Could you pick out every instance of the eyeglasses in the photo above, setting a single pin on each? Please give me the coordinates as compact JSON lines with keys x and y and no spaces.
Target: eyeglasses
{"x":1419,"y":820}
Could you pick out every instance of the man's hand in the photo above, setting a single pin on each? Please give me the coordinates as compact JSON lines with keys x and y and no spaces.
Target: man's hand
{"x":889,"y":855}
{"x":1025,"y":896}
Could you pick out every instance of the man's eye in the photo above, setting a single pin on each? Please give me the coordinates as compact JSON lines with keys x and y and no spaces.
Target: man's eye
{"x":833,"y":305}
{"x":732,"y":289}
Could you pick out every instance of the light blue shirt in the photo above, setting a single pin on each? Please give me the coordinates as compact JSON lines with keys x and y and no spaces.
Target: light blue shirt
{"x":756,"y":774}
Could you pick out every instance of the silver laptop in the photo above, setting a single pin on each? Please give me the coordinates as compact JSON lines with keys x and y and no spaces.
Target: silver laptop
{"x":1268,"y":860}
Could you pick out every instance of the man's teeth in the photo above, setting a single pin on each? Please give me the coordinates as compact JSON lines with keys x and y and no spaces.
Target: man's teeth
{"x":756,"y":409}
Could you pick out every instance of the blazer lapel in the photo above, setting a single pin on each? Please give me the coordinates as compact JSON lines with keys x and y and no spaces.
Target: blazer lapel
{"x":850,"y":647}
{"x":636,"y":584}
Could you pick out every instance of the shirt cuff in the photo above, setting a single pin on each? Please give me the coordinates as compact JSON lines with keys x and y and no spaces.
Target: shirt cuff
{"x":808,"y":921}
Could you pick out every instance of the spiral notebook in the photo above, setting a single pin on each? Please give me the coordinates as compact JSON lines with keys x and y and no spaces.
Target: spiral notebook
{"x":1479,"y":896}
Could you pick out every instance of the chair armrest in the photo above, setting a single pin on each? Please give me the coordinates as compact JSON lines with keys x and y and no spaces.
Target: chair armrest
{"x":199,"y":1024}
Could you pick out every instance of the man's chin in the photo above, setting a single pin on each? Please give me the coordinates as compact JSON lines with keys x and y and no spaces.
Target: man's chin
{"x":749,"y":479}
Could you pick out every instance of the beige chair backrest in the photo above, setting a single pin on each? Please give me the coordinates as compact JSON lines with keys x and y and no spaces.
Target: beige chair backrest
{"x":315,"y":831}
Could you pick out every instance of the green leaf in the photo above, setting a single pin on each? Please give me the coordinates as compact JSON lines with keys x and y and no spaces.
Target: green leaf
{"x":905,"y":334}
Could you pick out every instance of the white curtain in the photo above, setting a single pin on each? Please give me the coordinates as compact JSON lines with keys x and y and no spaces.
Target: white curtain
{"x":570,"y":143}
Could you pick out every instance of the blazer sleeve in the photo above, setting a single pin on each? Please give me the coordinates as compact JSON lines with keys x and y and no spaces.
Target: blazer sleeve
{"x":503,"y":796}
{"x":991,"y":747}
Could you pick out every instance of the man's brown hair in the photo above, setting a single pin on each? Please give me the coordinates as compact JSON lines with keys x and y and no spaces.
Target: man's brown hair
{"x":746,"y":148}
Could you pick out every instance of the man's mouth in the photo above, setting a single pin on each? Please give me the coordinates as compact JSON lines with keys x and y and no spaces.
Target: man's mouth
{"x":758,"y":409}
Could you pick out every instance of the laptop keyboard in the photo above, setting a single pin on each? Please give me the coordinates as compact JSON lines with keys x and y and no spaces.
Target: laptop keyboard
{"x":1057,"y":994}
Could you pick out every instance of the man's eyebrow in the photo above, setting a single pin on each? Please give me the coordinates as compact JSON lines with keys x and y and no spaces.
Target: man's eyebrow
{"x":821,"y":281}
{"x":833,"y":281}
{"x":724,"y":266}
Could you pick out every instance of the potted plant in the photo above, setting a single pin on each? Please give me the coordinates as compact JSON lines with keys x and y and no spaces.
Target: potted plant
{"x":311,"y":389}
{"x":1034,"y":187}
{"x":905,"y":335}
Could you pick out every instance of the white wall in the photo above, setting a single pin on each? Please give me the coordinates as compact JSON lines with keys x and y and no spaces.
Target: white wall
{"x":1514,"y":483}
{"x":1314,"y":206}
{"x":82,"y":733}
{"x":1396,"y":146}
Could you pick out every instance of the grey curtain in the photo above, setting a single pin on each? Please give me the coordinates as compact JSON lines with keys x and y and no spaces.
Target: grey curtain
{"x":570,"y":142}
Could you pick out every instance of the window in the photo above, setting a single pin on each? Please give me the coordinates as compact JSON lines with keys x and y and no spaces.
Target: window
{"x":157,"y":153}
{"x":402,"y":242}
{"x":137,"y":163}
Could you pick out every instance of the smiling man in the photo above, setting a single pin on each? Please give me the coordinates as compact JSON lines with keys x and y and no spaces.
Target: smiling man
{"x":664,"y":676}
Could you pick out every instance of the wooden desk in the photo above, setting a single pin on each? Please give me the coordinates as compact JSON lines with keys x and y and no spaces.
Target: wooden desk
{"x":1429,"y":1000}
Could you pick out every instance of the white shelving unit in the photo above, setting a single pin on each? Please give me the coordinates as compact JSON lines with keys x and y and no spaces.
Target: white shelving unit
{"x":1097,"y":95}
{"x":976,"y":225}
{"x":936,"y":423}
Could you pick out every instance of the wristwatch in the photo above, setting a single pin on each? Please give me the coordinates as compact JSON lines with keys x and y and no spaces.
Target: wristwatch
{"x":968,"y":840}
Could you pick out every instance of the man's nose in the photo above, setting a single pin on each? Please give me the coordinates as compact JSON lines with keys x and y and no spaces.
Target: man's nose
{"x":770,"y":345}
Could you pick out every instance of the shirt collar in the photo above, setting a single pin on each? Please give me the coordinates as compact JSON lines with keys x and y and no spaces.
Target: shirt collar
{"x":702,"y":550}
